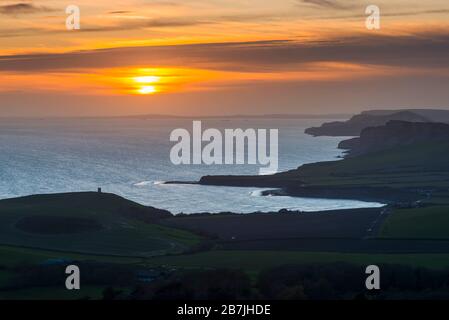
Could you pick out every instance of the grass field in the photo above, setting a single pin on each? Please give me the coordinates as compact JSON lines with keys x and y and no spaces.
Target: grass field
{"x":5,"y":275}
{"x":407,"y":160}
{"x":418,"y":165}
{"x":251,"y":261}
{"x":120,"y":233}
{"x":255,"y":261}
{"x":11,"y":256}
{"x":425,"y":223}
{"x":52,"y":293}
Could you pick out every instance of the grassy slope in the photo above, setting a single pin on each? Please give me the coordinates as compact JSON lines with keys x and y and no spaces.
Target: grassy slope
{"x":122,"y":234}
{"x":425,"y":223}
{"x":416,"y":165}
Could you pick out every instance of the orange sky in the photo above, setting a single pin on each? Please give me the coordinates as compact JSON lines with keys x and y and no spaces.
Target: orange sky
{"x":221,"y":57}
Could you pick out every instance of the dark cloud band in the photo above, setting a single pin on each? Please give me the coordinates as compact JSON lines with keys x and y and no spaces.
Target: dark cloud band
{"x":425,"y":50}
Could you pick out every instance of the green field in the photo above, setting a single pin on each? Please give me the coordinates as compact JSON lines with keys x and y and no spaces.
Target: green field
{"x":125,"y":238}
{"x":256,"y":261}
{"x":419,"y":165}
{"x":127,"y":229}
{"x":251,"y":261}
{"x":5,"y":275}
{"x":11,"y":256}
{"x":420,"y":223}
{"x":53,"y":293}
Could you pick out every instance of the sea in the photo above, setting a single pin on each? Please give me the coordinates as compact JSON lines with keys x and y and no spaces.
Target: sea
{"x":130,"y":156}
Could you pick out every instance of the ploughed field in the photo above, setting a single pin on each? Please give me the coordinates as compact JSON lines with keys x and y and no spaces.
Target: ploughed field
{"x":269,"y":226}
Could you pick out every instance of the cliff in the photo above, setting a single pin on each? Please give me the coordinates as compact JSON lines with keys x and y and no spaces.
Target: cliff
{"x":395,"y":134}
{"x":355,"y":125}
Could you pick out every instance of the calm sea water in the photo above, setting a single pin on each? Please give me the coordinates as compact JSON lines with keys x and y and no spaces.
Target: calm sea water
{"x":130,"y":157}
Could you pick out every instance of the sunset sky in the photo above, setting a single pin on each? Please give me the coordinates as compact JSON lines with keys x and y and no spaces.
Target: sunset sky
{"x":215,"y":57}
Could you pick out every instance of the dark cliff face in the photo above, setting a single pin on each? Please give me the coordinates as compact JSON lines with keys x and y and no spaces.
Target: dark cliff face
{"x":395,"y":134}
{"x":355,"y":125}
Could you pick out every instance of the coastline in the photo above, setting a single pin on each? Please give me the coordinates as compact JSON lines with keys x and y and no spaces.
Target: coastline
{"x":277,"y":187}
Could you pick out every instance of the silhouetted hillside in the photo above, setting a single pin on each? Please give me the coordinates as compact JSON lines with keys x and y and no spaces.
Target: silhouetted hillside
{"x":355,"y":125}
{"x":394,"y":134}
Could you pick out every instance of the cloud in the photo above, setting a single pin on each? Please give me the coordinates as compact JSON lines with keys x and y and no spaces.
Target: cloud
{"x":325,"y":3}
{"x":145,"y":23}
{"x":141,"y":23}
{"x":384,"y":14}
{"x":120,"y":12}
{"x":423,"y":50}
{"x":22,"y":8}
{"x":128,"y":25}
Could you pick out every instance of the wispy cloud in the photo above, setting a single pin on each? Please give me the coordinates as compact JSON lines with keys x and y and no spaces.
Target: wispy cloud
{"x":140,"y":23}
{"x":333,"y":4}
{"x":145,"y":23}
{"x":22,"y":8}
{"x":120,"y":12}
{"x":384,"y":14}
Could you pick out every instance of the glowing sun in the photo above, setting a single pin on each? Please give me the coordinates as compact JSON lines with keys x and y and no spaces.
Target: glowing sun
{"x":147,"y":90}
{"x":147,"y":84}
